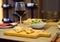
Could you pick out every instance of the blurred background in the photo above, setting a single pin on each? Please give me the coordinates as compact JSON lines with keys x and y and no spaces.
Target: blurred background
{"x":45,"y":9}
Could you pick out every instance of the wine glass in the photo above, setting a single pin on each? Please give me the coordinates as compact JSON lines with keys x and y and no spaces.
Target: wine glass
{"x":20,"y":9}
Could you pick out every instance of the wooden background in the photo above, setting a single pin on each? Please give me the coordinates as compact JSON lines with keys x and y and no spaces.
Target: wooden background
{"x":28,"y":11}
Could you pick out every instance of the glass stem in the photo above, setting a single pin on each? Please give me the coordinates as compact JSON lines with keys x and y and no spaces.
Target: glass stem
{"x":20,"y":20}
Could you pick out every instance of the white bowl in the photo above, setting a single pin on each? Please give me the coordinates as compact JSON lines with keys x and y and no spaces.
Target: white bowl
{"x":41,"y":25}
{"x":58,"y":26}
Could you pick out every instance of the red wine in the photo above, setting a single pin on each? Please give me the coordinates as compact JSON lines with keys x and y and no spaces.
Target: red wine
{"x":20,"y":12}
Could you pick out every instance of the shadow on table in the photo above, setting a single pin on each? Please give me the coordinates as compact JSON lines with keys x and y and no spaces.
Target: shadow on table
{"x":4,"y":40}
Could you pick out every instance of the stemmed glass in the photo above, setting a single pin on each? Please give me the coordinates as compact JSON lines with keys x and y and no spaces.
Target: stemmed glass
{"x":20,"y":9}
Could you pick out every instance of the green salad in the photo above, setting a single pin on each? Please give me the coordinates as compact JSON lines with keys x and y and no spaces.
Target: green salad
{"x":35,"y":22}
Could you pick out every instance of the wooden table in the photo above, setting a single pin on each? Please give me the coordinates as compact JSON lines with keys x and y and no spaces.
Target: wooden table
{"x":53,"y":30}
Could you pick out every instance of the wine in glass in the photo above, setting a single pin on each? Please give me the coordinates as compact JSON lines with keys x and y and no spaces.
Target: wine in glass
{"x":20,"y":9}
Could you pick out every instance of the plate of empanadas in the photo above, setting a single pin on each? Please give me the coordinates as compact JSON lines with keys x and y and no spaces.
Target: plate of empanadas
{"x":26,"y":32}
